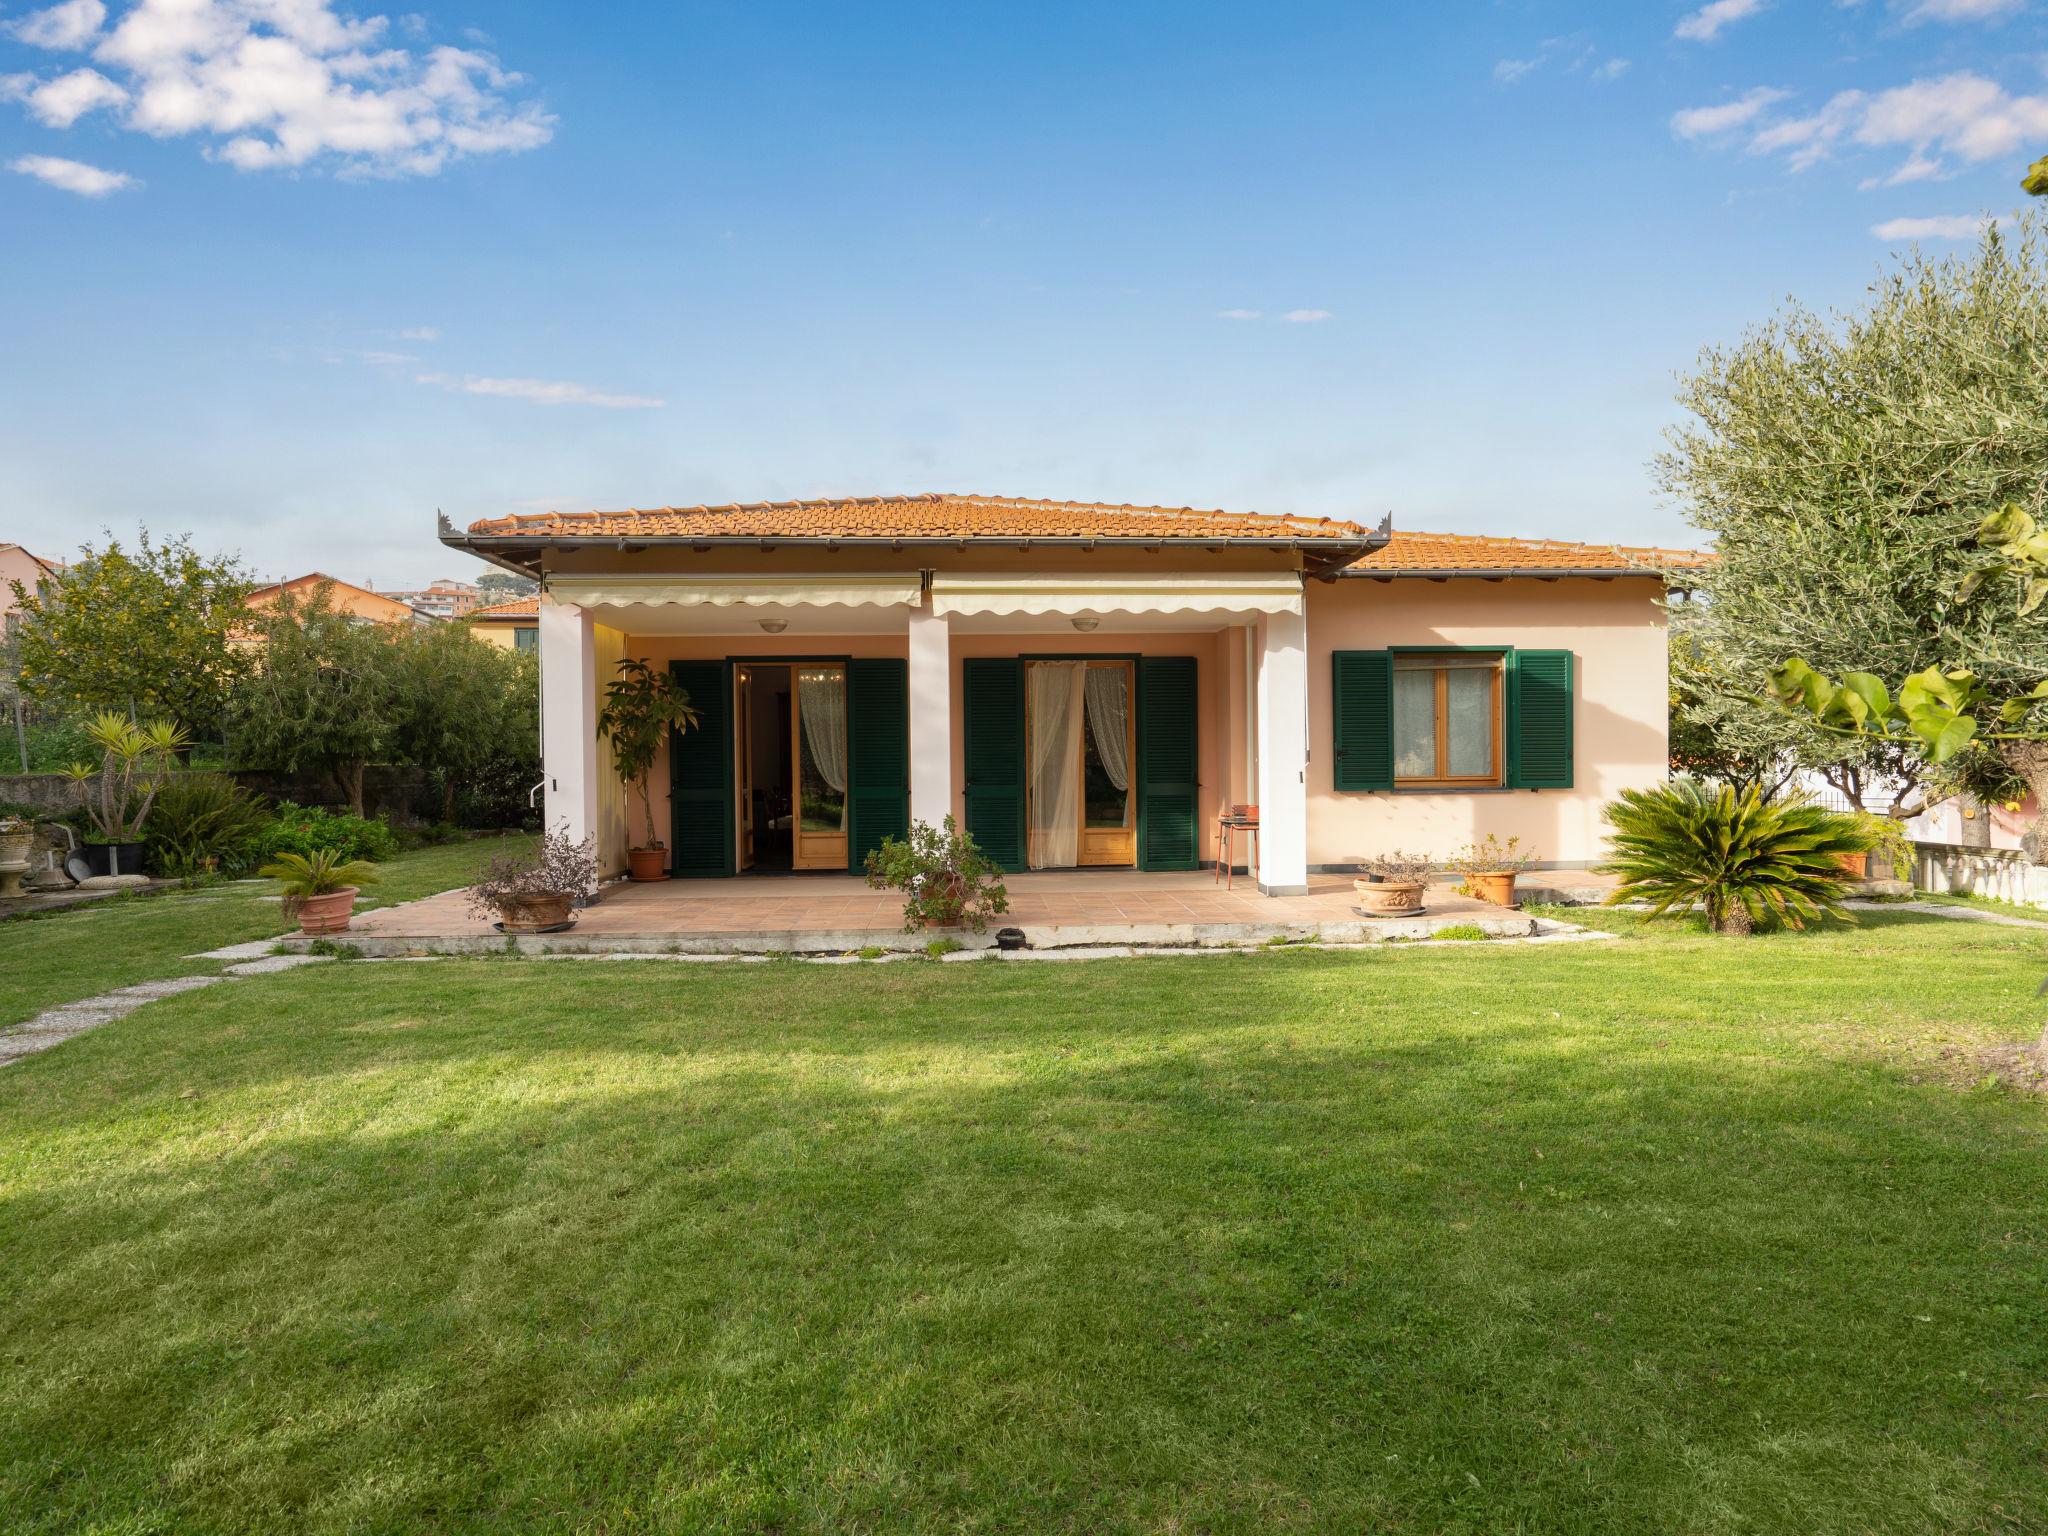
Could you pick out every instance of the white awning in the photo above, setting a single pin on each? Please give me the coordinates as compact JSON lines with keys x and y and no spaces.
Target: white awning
{"x":879,"y":590}
{"x":1278,"y":592}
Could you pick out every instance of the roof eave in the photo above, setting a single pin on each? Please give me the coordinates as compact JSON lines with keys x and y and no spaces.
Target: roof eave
{"x":1502,"y":573}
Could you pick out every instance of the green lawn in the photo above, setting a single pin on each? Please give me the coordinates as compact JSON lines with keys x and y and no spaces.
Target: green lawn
{"x":1668,"y":1234}
{"x":82,"y":951}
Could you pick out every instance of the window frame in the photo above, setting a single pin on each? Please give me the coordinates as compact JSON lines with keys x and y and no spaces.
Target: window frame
{"x":1494,"y":779}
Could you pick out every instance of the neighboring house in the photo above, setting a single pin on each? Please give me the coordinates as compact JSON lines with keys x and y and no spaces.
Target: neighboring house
{"x":18,"y":565}
{"x":342,"y":596}
{"x":513,"y":626}
{"x":1093,"y":685}
{"x":443,"y":599}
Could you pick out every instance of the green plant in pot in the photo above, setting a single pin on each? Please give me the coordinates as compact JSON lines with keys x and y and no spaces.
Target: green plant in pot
{"x":320,"y":887}
{"x":947,"y":882}
{"x":135,"y":760}
{"x":642,"y":705}
{"x":1490,"y":868}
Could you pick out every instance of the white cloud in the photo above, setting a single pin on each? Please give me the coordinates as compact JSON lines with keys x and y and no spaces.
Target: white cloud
{"x":63,"y":101}
{"x":1237,"y":314}
{"x":1961,"y":226}
{"x":1962,"y":10}
{"x":1963,"y":115}
{"x":67,"y":26}
{"x":1918,"y":167}
{"x":1508,"y":71}
{"x":1704,"y":122}
{"x":1306,"y":316}
{"x":72,"y":175}
{"x":541,"y":392}
{"x":420,"y":333}
{"x":284,"y":83}
{"x":1705,"y":24}
{"x":1613,"y":69}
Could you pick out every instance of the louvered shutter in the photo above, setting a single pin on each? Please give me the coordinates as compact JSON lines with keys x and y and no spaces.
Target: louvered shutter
{"x":1168,"y":755}
{"x":992,"y":724}
{"x":1362,"y":719}
{"x":1540,"y":724}
{"x":700,"y":774}
{"x":877,"y":755}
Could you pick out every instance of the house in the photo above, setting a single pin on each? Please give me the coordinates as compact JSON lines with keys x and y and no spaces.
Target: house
{"x":442,"y":599}
{"x":1090,"y":685}
{"x":513,"y":626}
{"x":18,"y":565}
{"x":342,"y":596}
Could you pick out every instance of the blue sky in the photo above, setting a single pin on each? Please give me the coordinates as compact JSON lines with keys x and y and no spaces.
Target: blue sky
{"x":291,"y":276}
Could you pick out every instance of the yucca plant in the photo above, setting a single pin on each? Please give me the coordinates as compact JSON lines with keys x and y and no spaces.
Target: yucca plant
{"x":134,"y":762}
{"x":1744,"y":859}
{"x":318,"y":873}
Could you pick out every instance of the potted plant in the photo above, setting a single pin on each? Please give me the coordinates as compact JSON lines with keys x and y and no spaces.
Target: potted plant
{"x":134,"y":762}
{"x":1397,"y":883}
{"x":947,"y":882}
{"x":321,"y":887}
{"x":536,"y":892}
{"x":1490,"y":868}
{"x":641,"y":706}
{"x":1887,"y":842}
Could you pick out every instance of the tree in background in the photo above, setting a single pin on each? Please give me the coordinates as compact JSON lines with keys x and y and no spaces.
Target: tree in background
{"x":503,"y":586}
{"x":465,"y":711}
{"x":1860,"y":474}
{"x":144,"y":632}
{"x":321,"y":693}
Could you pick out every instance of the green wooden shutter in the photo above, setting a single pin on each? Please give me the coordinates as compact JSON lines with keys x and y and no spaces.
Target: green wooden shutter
{"x":1168,"y":758}
{"x":877,"y":755}
{"x":1540,"y":719}
{"x":992,"y":725}
{"x":1363,"y":719}
{"x":700,"y":774}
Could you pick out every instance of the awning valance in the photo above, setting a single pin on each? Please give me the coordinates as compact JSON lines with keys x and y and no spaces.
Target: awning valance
{"x":860,"y":590}
{"x":1278,"y":592}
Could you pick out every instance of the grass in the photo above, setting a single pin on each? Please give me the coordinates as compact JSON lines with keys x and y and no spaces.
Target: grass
{"x":1669,"y":1234}
{"x":79,"y":952}
{"x":1983,"y":904}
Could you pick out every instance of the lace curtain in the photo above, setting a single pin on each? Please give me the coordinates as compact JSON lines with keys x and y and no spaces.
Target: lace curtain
{"x":821,"y":699}
{"x":1108,"y":691}
{"x":1054,"y":698}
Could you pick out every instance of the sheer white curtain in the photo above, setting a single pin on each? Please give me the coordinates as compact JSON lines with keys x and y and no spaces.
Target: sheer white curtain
{"x":1054,"y":698}
{"x":1109,"y":720}
{"x":821,"y":700}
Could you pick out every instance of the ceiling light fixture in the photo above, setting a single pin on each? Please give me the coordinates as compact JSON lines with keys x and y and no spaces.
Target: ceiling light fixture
{"x":775,"y":626}
{"x":1086,"y":623}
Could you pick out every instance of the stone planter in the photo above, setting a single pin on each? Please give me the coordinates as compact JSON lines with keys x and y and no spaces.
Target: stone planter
{"x":328,"y":912}
{"x":647,"y":863}
{"x":1497,"y":887}
{"x":1389,"y":898}
{"x":540,"y":912}
{"x":17,"y":847}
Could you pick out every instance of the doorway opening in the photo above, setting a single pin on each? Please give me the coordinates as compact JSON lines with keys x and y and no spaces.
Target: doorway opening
{"x":791,"y":776}
{"x":1081,"y":741}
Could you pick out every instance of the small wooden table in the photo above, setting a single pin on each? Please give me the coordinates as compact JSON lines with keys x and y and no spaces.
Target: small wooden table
{"x":1228,"y":826}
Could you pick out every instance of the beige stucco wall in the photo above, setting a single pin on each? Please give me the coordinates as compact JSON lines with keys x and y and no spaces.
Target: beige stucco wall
{"x":504,"y":636}
{"x":1615,"y":630}
{"x":617,"y":816}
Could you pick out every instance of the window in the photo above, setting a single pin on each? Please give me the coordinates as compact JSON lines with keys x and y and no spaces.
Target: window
{"x":526,"y":639}
{"x":1447,"y":719}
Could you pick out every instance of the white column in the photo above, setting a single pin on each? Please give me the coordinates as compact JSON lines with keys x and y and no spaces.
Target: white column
{"x":931,"y":715}
{"x":1283,"y":755}
{"x":568,"y":718}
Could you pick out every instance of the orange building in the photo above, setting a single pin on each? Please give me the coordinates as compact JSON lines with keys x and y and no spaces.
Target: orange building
{"x":342,"y":596}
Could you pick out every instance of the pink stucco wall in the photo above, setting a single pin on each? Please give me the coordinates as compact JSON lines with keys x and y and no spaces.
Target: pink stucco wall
{"x":1615,"y":630}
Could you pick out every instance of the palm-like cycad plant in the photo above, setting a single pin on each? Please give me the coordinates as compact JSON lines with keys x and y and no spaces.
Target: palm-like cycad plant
{"x":319,"y":873}
{"x":1741,"y":857}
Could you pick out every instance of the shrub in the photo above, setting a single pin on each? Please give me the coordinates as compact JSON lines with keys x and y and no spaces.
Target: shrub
{"x":1744,"y":859}
{"x":946,"y":880}
{"x":203,"y":822}
{"x":305,"y":829}
{"x":1462,"y":933}
{"x":1491,"y":856}
{"x":555,"y":867}
{"x":1398,"y":867}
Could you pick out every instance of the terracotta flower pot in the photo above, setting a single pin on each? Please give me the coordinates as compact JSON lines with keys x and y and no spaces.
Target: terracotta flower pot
{"x":535,"y":913}
{"x":327,"y":913}
{"x":1857,"y":864}
{"x":1496,"y":886}
{"x":1389,"y":898}
{"x":647,"y":863}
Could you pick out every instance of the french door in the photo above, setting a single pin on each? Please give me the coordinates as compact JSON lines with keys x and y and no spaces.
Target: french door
{"x":1081,"y":749}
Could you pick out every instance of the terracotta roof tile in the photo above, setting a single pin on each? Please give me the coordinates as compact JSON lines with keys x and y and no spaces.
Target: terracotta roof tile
{"x":1422,"y":553}
{"x":918,"y":517}
{"x":527,"y":607}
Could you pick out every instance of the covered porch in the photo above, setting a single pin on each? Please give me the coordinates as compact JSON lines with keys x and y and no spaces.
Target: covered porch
{"x":831,"y":914}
